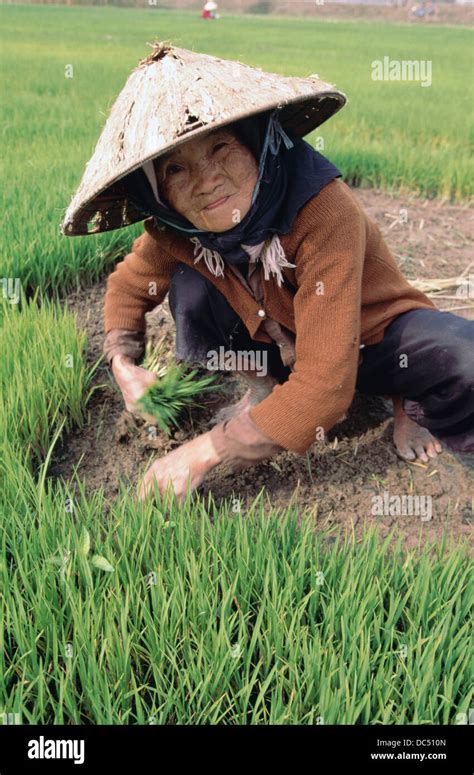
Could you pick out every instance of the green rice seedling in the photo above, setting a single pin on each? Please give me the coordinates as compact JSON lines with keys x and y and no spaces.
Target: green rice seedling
{"x":200,"y":615}
{"x":177,"y":390}
{"x":43,"y":379}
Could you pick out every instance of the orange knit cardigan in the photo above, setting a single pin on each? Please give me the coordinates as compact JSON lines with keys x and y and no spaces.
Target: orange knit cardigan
{"x":346,"y":288}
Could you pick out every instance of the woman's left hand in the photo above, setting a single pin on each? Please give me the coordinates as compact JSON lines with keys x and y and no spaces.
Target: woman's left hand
{"x":188,"y":463}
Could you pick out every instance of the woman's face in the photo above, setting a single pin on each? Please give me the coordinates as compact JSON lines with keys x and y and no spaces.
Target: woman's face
{"x":209,"y":180}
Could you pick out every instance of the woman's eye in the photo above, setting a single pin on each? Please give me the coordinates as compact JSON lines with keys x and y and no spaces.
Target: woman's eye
{"x":172,"y":169}
{"x":220,"y":145}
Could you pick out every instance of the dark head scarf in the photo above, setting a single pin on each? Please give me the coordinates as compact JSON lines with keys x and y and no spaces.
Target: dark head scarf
{"x":290,"y":173}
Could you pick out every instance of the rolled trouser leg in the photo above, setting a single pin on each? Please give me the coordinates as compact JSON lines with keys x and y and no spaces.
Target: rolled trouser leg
{"x":427,"y":357}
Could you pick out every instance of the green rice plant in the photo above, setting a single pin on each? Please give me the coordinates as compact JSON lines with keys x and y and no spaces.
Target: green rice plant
{"x":200,"y":615}
{"x":44,"y":383}
{"x":177,"y":390}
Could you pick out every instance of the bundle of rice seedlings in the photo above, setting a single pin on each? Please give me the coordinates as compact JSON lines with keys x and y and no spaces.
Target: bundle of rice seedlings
{"x":177,"y":388}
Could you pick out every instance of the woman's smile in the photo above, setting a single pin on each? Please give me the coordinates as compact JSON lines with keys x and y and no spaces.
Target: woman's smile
{"x":217,"y":203}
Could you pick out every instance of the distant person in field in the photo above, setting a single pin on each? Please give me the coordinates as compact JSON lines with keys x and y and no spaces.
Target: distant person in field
{"x":210,"y":10}
{"x":331,"y":274}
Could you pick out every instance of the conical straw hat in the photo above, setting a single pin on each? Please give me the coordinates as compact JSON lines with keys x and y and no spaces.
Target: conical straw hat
{"x":171,"y":97}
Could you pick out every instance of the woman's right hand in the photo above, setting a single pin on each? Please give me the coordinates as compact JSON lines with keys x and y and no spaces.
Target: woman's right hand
{"x":133,"y":381}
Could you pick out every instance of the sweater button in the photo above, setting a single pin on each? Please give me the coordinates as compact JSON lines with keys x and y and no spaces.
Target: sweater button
{"x":261,"y":313}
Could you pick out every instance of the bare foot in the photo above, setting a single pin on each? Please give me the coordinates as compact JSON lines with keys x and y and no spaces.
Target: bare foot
{"x":410,"y":439}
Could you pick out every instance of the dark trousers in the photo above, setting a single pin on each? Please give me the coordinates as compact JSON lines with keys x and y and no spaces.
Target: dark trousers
{"x":426,"y":356}
{"x":205,"y":321}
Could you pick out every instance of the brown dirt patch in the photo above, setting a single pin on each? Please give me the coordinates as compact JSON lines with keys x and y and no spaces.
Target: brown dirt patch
{"x":359,"y":461}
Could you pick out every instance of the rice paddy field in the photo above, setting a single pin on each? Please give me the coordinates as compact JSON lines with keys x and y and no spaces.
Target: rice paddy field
{"x":114,"y":611}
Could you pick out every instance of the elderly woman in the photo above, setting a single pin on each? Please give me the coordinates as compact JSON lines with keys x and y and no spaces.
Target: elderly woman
{"x":282,"y":261}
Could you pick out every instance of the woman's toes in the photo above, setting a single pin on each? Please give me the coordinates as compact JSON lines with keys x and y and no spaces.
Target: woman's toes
{"x":405,"y":451}
{"x":412,"y":441}
{"x":420,"y":451}
{"x":430,"y":446}
{"x":433,"y":447}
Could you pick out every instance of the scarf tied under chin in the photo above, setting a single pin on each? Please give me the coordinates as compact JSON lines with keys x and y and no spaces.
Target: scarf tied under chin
{"x":270,"y":252}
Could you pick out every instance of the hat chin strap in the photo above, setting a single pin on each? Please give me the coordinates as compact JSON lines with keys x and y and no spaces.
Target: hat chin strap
{"x":275,"y":134}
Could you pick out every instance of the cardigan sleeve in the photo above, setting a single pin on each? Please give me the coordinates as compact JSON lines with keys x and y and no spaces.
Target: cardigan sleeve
{"x":138,"y":283}
{"x":327,"y":308}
